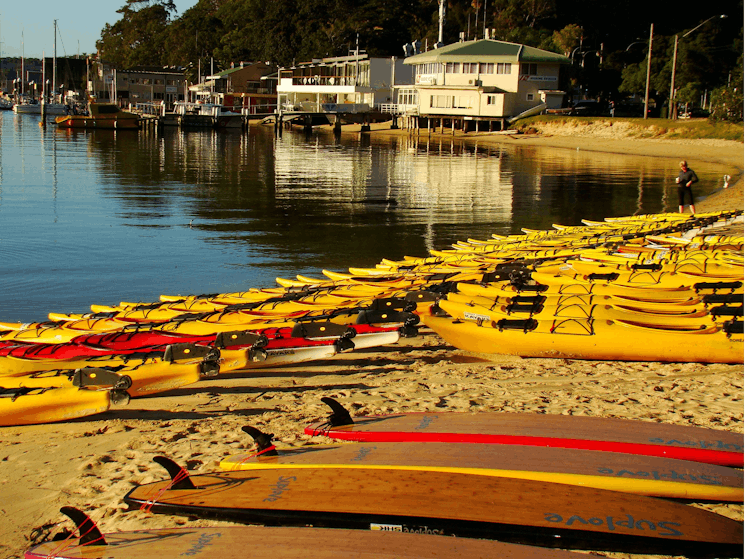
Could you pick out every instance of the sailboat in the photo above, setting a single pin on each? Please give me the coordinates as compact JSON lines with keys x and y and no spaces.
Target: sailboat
{"x":35,"y":108}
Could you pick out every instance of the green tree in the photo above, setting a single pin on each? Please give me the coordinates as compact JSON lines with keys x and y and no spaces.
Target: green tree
{"x":727,"y":101}
{"x":568,"y":38}
{"x":138,"y":38}
{"x":195,"y":35}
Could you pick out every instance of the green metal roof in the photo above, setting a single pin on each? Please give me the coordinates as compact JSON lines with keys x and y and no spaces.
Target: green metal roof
{"x":487,"y":50}
{"x":229,"y":71}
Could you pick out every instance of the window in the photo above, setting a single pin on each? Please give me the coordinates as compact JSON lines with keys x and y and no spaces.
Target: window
{"x":441,"y":101}
{"x":452,"y":68}
{"x":427,"y":69}
{"x":530,"y":69}
{"x":486,"y":68}
{"x":504,"y":68}
{"x":461,"y":102}
{"x":470,"y":67}
{"x":529,"y":97}
{"x":491,"y":99}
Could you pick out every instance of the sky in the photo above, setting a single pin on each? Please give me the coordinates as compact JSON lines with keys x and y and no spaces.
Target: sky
{"x":28,"y":28}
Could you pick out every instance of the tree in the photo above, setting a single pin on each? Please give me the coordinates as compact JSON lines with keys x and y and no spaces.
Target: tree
{"x":727,"y":101}
{"x":139,"y":37}
{"x":568,"y":38}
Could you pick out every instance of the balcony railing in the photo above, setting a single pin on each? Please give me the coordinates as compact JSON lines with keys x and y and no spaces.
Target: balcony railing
{"x":397,"y":108}
{"x":325,"y":80}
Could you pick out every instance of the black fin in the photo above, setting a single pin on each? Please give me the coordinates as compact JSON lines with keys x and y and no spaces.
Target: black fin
{"x":89,"y":532}
{"x":262,"y":440}
{"x":344,"y":344}
{"x":339,"y":416}
{"x":174,"y":470}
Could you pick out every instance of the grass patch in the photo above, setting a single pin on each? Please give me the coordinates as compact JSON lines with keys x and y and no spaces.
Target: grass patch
{"x":651,"y":128}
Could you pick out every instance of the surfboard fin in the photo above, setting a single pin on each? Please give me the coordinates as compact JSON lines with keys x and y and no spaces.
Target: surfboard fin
{"x":89,"y":532}
{"x":339,"y":416}
{"x":262,"y":440}
{"x":177,"y":473}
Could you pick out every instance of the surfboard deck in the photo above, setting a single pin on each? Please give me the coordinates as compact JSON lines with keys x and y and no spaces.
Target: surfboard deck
{"x":697,"y":444}
{"x":446,"y":503}
{"x":641,"y":475}
{"x":259,"y":542}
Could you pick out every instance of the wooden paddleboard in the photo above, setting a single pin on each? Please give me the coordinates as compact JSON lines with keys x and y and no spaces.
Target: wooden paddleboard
{"x":698,"y":444}
{"x":259,"y":542}
{"x":642,"y":475}
{"x":446,"y":503}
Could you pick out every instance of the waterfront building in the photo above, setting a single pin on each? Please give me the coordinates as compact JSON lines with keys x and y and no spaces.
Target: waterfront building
{"x":483,"y":81}
{"x":355,"y":83}
{"x":250,"y":87}
{"x":141,"y":84}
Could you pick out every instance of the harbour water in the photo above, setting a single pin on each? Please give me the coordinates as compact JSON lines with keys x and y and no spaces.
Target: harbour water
{"x":105,"y":216}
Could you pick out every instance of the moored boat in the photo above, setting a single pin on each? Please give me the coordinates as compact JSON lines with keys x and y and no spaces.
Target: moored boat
{"x":101,"y":115}
{"x":33,"y":108}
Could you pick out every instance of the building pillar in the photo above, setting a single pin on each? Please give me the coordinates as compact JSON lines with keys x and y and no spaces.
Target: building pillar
{"x":337,"y":124}
{"x":365,"y":123}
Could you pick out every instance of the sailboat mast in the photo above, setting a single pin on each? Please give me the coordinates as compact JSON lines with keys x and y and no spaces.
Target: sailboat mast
{"x":54,"y":65}
{"x":23,"y":66}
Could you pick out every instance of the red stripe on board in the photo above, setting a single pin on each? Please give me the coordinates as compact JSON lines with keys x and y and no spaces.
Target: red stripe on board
{"x":707,"y":456}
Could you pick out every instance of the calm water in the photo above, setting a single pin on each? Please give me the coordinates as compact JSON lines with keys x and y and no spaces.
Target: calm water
{"x":101,"y":217}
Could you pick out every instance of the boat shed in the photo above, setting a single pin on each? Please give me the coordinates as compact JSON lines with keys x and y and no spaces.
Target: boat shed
{"x":484,"y":81}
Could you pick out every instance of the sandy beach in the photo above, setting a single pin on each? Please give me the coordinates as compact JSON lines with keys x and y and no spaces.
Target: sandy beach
{"x":93,"y":462}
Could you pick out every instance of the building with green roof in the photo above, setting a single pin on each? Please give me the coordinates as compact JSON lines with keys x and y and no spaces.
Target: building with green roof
{"x":484,"y":80}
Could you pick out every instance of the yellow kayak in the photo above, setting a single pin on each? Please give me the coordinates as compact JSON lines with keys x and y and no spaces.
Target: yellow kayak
{"x":478,"y":309}
{"x":641,"y":278}
{"x":640,"y":293}
{"x":142,"y":379}
{"x":573,"y":338}
{"x":707,"y":268}
{"x":47,"y":405}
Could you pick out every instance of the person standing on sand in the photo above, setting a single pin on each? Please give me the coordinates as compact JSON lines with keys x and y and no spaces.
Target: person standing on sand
{"x":685,"y":180}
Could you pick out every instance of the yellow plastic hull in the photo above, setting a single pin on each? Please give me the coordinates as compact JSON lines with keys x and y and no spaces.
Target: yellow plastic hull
{"x":48,"y":406}
{"x":592,"y":339}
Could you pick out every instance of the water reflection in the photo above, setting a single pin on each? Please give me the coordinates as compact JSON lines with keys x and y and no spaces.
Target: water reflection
{"x":105,"y":216}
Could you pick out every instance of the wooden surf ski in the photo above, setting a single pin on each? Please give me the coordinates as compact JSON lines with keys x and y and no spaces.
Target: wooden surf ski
{"x":698,"y":444}
{"x":239,"y":542}
{"x":642,"y":475}
{"x":505,"y":509}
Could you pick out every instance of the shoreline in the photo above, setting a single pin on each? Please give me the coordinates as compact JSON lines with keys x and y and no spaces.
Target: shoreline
{"x":728,"y":153}
{"x":91,"y":463}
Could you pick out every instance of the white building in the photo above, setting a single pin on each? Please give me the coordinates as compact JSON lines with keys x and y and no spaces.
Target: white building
{"x":350,"y":84}
{"x":484,"y":80}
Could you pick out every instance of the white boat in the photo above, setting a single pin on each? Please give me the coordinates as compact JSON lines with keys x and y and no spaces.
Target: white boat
{"x":207,"y":115}
{"x":35,"y":108}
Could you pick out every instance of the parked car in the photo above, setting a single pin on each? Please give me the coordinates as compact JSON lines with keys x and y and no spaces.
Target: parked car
{"x":628,"y":109}
{"x":589,"y":107}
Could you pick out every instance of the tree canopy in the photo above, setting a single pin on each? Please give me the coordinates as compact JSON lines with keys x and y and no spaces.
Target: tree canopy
{"x":608,"y":41}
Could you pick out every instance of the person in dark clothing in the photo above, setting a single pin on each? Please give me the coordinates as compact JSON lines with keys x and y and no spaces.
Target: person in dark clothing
{"x":685,"y":180}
